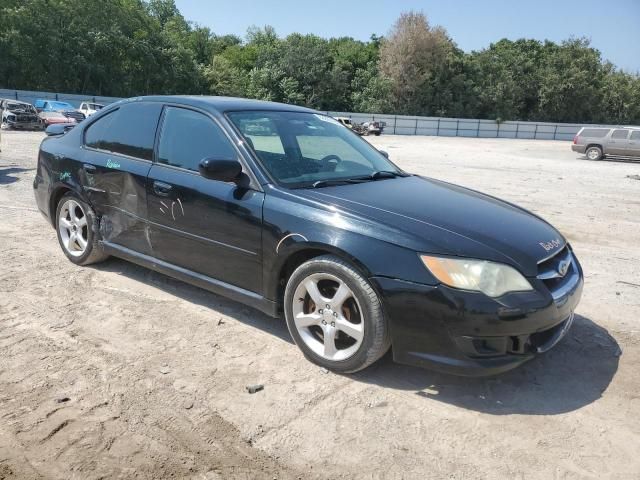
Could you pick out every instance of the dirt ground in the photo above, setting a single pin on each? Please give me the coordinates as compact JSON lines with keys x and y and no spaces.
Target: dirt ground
{"x":114,"y":371}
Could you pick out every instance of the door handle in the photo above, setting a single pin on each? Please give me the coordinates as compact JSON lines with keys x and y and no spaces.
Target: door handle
{"x":161,"y":189}
{"x":89,"y":168}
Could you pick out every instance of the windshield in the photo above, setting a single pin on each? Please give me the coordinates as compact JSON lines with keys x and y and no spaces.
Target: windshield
{"x":304,"y":149}
{"x":24,"y":107}
{"x":61,"y":105}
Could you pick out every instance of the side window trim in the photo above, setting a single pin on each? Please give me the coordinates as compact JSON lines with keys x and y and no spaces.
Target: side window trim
{"x":119,"y":154}
{"x":254,"y":185}
{"x":196,"y":110}
{"x":613,"y":137}
{"x":90,"y":123}
{"x":100,"y":150}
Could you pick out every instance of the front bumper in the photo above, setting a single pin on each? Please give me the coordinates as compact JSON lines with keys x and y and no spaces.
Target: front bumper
{"x":468,"y":333}
{"x":35,"y":125}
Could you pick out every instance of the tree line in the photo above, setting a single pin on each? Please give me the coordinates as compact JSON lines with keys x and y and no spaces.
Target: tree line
{"x":133,"y":47}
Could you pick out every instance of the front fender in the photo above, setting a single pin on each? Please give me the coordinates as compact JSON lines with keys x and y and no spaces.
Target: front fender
{"x":288,"y":231}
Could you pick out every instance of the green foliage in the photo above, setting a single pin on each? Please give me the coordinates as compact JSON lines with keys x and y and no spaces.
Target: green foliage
{"x":136,"y":47}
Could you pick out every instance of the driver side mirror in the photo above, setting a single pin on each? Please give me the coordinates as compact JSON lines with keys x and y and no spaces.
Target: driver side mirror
{"x":223,"y":170}
{"x":384,"y":154}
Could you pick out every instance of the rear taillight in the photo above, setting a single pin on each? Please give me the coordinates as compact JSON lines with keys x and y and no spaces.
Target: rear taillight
{"x":575,"y":139}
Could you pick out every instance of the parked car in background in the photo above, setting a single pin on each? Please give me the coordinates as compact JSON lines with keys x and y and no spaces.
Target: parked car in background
{"x":89,"y":108}
{"x":359,"y":128}
{"x":346,"y":121}
{"x":366,"y":128}
{"x":19,"y":115}
{"x":55,"y":118}
{"x":597,"y":143}
{"x":65,"y":108}
{"x":373,"y":128}
{"x":284,"y":209}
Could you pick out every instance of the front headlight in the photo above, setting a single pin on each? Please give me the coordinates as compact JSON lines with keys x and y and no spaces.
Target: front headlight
{"x":492,"y":279}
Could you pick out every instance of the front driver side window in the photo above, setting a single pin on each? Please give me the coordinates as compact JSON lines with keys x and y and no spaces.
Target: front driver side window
{"x":188,"y":137}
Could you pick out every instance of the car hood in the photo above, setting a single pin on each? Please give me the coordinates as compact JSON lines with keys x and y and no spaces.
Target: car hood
{"x":441,"y":218}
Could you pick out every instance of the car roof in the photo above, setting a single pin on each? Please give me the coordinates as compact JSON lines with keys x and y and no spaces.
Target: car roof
{"x":13,"y":101}
{"x":223,"y":104}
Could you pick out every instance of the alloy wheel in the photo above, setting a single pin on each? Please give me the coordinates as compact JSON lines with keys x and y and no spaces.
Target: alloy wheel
{"x":73,"y":228}
{"x":328,"y":317}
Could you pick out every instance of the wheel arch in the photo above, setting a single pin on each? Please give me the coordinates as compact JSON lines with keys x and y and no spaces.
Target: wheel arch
{"x":589,"y":145}
{"x":300,"y":253}
{"x":57,"y":192}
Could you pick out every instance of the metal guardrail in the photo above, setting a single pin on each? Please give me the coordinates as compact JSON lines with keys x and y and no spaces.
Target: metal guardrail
{"x":396,"y":124}
{"x":75,"y":100}
{"x":474,"y":128}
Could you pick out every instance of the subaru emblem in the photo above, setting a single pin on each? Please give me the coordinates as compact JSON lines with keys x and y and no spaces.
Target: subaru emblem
{"x":563,"y":267}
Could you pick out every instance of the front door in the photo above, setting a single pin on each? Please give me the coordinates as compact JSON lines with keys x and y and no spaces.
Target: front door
{"x":210,"y":227}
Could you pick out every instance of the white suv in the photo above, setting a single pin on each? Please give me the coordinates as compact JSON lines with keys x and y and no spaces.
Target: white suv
{"x":89,"y":108}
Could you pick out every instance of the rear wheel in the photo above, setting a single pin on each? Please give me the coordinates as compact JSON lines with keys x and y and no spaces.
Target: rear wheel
{"x":77,"y":229}
{"x":334,"y":316}
{"x":594,"y":153}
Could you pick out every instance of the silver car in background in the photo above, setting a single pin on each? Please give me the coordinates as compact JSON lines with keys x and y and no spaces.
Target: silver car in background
{"x":597,"y":143}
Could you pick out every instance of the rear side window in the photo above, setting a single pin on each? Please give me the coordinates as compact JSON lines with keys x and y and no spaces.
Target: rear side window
{"x":130,"y":130}
{"x":189,"y":137}
{"x":619,"y":134}
{"x":635,"y":135}
{"x":594,"y":132}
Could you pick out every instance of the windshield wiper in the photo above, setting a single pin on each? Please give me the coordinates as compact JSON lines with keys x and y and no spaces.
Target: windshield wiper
{"x":378,"y":175}
{"x":337,"y":181}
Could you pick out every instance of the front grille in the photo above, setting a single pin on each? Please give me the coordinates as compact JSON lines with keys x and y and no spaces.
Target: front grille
{"x":26,"y":118}
{"x":73,"y":114}
{"x":539,"y":342}
{"x":559,"y":273}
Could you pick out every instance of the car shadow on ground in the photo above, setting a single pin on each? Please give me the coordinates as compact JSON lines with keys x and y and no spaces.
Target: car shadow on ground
{"x":574,"y":374}
{"x":6,"y":174}
{"x":613,"y":159}
{"x":217,"y":303}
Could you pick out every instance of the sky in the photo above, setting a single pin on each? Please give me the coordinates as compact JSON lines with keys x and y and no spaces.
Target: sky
{"x":613,"y":26}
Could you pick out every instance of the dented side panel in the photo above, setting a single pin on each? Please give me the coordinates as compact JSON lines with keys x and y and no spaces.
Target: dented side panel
{"x":116,"y":187}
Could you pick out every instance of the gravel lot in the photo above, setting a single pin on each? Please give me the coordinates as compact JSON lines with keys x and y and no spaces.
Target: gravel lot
{"x":114,"y":371}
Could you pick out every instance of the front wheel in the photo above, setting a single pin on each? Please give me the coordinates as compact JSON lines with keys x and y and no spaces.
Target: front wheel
{"x":334,"y":315}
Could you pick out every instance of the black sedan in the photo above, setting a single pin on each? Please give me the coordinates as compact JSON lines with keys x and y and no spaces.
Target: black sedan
{"x":284,"y":209}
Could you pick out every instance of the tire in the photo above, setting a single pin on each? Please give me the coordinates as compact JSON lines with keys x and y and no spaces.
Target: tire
{"x":594,"y":153}
{"x":377,"y":134}
{"x":354,"y":323}
{"x":86,"y":249}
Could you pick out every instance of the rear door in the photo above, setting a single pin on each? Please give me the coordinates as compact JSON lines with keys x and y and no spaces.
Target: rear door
{"x":210,"y":227}
{"x":619,"y":142}
{"x":634,"y":144}
{"x":117,"y":154}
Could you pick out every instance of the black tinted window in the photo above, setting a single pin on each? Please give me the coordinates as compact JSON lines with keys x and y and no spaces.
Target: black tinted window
{"x":594,"y":132}
{"x":189,"y":137}
{"x":129,"y":130}
{"x":620,"y":134}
